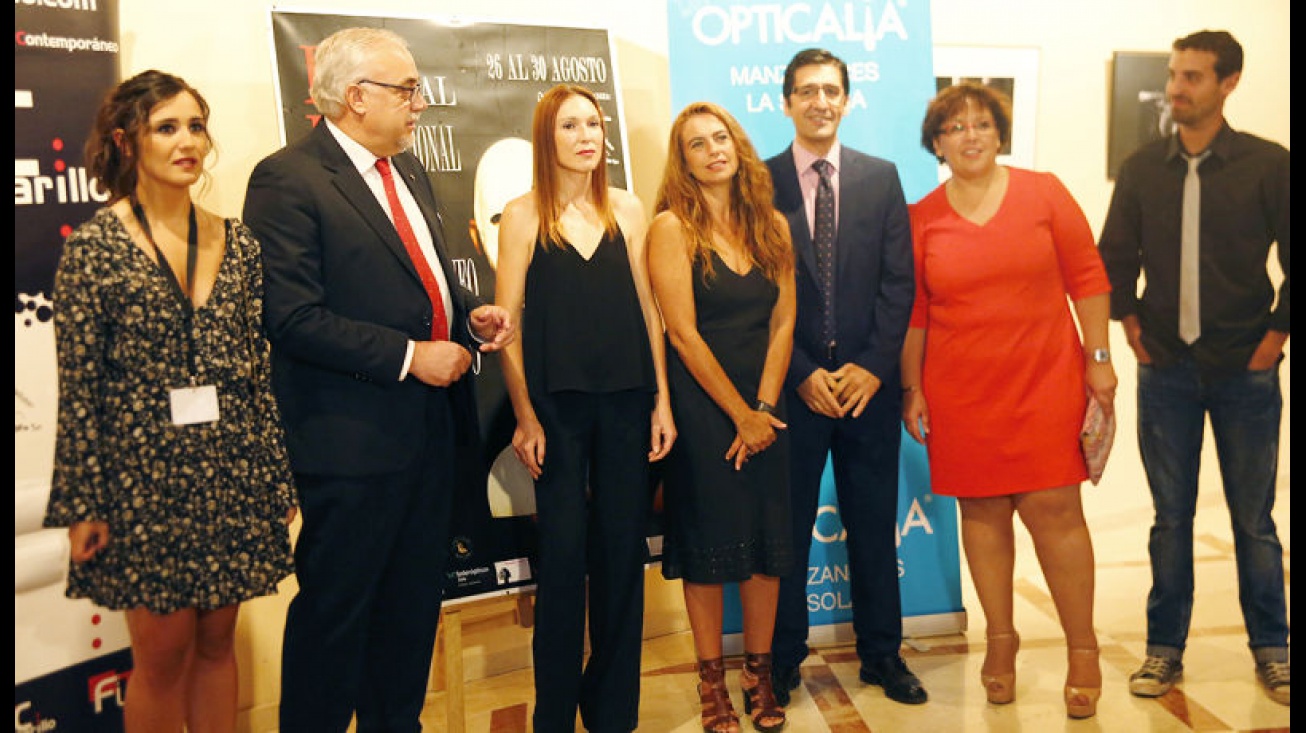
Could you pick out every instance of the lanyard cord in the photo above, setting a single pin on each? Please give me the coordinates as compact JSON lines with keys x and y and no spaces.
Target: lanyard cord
{"x":192,"y":252}
{"x":183,"y":293}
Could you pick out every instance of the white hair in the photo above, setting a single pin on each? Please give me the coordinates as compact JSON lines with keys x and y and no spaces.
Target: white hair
{"x":339,"y":60}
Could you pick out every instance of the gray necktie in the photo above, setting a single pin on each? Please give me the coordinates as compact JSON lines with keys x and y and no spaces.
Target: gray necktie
{"x":823,"y":243}
{"x":1190,"y":312}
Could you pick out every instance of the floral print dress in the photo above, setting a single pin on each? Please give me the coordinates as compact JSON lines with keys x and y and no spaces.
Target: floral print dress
{"x":196,"y":512}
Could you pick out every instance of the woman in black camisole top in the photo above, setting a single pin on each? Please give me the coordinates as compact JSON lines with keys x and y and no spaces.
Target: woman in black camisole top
{"x":588,"y":386}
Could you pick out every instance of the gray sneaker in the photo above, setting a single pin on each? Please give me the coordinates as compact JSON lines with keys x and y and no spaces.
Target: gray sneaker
{"x":1156,"y":676}
{"x":1274,"y":678}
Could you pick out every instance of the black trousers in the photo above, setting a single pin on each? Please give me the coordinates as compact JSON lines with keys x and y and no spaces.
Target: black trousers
{"x":370,"y":561}
{"x":592,"y":502}
{"x":864,"y":452}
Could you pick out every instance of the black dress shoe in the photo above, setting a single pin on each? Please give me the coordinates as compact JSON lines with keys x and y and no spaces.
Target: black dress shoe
{"x":784,"y":680}
{"x":891,"y":673}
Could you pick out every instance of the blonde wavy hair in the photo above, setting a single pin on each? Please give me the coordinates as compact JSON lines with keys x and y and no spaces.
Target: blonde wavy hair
{"x":765,"y":236}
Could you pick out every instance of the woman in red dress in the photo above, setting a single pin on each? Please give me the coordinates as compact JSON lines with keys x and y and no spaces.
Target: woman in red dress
{"x":997,"y":378}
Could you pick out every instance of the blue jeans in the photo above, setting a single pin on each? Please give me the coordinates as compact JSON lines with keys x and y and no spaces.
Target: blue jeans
{"x":1245,"y":411}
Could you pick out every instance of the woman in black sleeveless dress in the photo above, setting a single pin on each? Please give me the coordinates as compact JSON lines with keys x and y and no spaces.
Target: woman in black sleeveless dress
{"x":722,"y":269}
{"x":588,"y":388}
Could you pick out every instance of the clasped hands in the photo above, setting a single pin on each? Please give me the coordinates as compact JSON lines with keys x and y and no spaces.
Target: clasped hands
{"x":755,"y":432}
{"x":835,"y":394}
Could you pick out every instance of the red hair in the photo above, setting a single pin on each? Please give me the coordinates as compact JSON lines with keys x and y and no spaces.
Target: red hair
{"x":545,"y":168}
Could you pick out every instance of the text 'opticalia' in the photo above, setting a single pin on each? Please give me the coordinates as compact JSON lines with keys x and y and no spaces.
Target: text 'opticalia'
{"x":799,"y":23}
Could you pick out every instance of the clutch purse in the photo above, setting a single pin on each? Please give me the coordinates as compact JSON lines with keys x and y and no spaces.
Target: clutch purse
{"x":1095,"y":439}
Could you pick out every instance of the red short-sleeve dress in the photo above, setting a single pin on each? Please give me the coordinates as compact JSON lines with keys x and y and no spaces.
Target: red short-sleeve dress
{"x":1004,"y":366}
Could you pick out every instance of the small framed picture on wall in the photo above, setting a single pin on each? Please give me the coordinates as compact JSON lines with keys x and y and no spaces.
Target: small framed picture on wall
{"x":1140,"y":111}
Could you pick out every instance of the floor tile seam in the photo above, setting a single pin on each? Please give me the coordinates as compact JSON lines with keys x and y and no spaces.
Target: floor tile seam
{"x":1238,"y":630}
{"x":1147,"y":563}
{"x":832,"y":700}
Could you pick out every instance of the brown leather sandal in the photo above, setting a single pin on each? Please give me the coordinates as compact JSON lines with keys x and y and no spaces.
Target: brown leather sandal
{"x":718,"y":714}
{"x":759,"y":694}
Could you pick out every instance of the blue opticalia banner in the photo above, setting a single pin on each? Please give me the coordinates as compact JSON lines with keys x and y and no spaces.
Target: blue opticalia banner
{"x":734,"y":54}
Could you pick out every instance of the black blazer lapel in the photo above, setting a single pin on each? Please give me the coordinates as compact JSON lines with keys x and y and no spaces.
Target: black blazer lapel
{"x":346,"y":178}
{"x":850,"y":185}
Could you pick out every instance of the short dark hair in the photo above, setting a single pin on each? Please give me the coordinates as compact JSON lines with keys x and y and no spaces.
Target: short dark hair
{"x":127,"y":107}
{"x":952,"y":100}
{"x":1228,"y":52}
{"x":813,"y":57}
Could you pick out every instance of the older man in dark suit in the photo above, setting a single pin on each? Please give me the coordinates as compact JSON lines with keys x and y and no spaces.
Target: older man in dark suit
{"x":371,"y":339}
{"x":852,"y":237}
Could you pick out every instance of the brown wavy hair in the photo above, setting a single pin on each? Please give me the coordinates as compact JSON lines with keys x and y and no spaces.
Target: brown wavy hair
{"x":545,"y":166}
{"x":127,"y":107}
{"x":765,"y":236}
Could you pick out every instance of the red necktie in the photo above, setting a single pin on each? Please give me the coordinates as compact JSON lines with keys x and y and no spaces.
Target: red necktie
{"x":439,"y":323}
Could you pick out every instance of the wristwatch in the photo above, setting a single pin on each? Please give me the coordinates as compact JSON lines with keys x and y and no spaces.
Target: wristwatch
{"x":1100,"y":356}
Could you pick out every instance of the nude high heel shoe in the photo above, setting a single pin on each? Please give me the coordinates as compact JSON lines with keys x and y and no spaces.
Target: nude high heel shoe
{"x":1000,"y":687}
{"x":1081,"y":702}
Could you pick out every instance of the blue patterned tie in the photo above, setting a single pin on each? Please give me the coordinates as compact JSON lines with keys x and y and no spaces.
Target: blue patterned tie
{"x":823,"y":242}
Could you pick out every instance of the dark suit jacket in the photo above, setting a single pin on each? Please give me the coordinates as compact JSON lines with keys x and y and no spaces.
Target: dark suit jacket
{"x":342,"y":301}
{"x":874,"y":272}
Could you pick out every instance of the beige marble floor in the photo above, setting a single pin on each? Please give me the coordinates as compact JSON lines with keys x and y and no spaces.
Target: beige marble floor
{"x":1219,"y":692}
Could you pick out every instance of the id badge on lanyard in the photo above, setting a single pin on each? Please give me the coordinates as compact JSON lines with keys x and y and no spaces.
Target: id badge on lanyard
{"x":192,"y":405}
{"x":197,"y":403}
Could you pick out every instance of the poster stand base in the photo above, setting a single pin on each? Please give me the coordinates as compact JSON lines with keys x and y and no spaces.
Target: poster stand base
{"x":447,"y":662}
